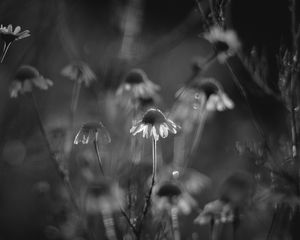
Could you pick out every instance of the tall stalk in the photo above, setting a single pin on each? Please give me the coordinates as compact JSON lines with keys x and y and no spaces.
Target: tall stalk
{"x":148,"y":197}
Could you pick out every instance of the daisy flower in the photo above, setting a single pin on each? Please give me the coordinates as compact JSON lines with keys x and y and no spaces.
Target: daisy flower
{"x":104,"y":197}
{"x":79,"y":71}
{"x":136,"y":85}
{"x":169,"y":194}
{"x":196,"y":101}
{"x":205,"y":94}
{"x":9,"y":36}
{"x":171,"y":197}
{"x":217,"y":212}
{"x":225,"y":42}
{"x":25,"y":79}
{"x":90,"y":133}
{"x":211,"y":93}
{"x":154,"y":124}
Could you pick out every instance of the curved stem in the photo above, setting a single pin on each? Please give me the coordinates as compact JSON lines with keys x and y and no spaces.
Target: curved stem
{"x":53,"y":157}
{"x":5,"y":49}
{"x":175,"y":223}
{"x":109,"y":226}
{"x":98,"y":155}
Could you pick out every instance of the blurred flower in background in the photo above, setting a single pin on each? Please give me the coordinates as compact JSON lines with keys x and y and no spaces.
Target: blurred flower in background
{"x":103,"y":196}
{"x":79,"y":71}
{"x":154,"y":123}
{"x":216,"y":211}
{"x":25,"y":79}
{"x":204,"y":94}
{"x":225,"y":42}
{"x":169,"y":194}
{"x":135,"y":86}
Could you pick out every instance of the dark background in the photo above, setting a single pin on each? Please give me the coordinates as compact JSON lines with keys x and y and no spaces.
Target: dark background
{"x":63,"y":31}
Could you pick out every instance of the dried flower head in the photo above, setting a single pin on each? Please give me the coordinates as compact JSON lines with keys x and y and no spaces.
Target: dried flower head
{"x":25,"y":79}
{"x":9,"y":35}
{"x":154,"y":123}
{"x":225,"y":42}
{"x":216,"y":211}
{"x":103,"y":196}
{"x":79,"y":71}
{"x":90,"y":132}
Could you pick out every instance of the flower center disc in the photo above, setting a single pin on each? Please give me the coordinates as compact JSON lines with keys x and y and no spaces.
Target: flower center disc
{"x":134,"y":78}
{"x":26,"y":72}
{"x":154,"y":116}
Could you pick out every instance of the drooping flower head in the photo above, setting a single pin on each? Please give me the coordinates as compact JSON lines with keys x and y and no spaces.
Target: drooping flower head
{"x":209,"y":92}
{"x":225,"y":42}
{"x":135,"y":86}
{"x":79,"y":71}
{"x":154,"y":124}
{"x":25,"y":79}
{"x":217,"y":212}
{"x":204,"y":94}
{"x":174,"y":189}
{"x":169,"y":194}
{"x":9,"y":35}
{"x":103,"y":196}
{"x":92,"y":131}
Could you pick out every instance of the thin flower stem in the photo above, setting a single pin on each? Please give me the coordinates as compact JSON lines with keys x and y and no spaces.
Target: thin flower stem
{"x":154,"y":157}
{"x":53,"y":156}
{"x":75,"y":97}
{"x":212,"y":229}
{"x":235,"y":224}
{"x":179,"y":150}
{"x":100,"y":163}
{"x":202,"y":68}
{"x":202,"y":13}
{"x":133,"y":228}
{"x":148,"y":197}
{"x":271,"y":228}
{"x":73,"y":108}
{"x":294,"y":89}
{"x":5,"y":49}
{"x":199,"y":129}
{"x":175,"y":223}
{"x":109,"y":226}
{"x":212,"y":10}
